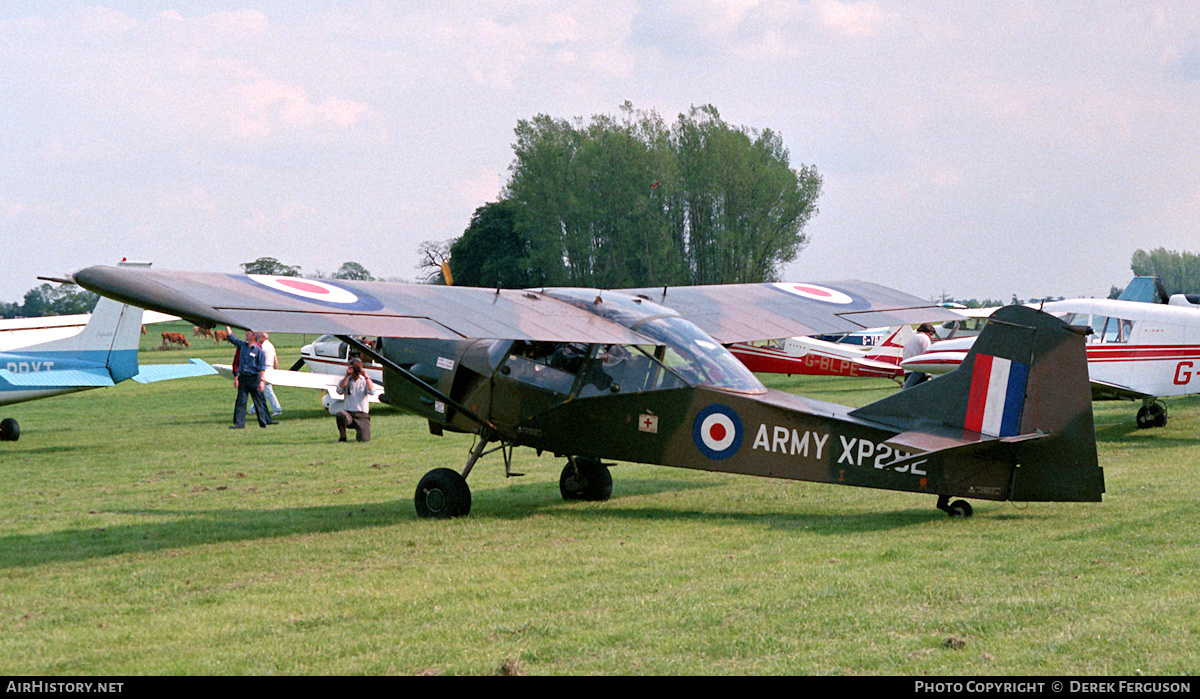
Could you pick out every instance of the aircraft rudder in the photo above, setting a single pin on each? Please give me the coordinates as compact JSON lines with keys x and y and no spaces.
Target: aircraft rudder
{"x":110,"y":338}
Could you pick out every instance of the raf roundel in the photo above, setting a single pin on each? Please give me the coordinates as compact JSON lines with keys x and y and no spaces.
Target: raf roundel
{"x":815,"y":292}
{"x":307,"y":288}
{"x":717,"y":432}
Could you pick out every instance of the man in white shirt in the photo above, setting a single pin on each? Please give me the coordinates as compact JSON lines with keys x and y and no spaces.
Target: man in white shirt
{"x":356,"y":387}
{"x":918,"y":344}
{"x":272,"y":362}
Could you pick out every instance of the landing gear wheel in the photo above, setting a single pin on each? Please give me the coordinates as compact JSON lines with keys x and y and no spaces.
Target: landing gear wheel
{"x":958,"y":508}
{"x":442,"y":494}
{"x":10,"y":431}
{"x":1152,"y":415}
{"x":585,"y":479}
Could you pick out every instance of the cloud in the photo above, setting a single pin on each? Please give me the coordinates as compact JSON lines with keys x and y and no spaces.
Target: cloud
{"x":853,"y":19}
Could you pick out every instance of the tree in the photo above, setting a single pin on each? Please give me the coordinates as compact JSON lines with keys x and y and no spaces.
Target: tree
{"x":491,"y":252}
{"x":47,"y":300}
{"x":433,"y":256}
{"x":742,"y":207}
{"x":1179,"y":271}
{"x":627,"y":201}
{"x":354,"y":272}
{"x":271,"y":266}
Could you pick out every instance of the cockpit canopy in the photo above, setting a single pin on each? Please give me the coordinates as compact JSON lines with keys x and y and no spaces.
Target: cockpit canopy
{"x":680,"y":354}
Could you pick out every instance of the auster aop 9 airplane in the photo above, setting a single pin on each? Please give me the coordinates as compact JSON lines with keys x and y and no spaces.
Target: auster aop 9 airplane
{"x":77,"y":357}
{"x":1137,"y":351}
{"x":641,"y":375}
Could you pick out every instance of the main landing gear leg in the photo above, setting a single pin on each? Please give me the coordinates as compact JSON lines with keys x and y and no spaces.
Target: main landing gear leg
{"x":958,"y":508}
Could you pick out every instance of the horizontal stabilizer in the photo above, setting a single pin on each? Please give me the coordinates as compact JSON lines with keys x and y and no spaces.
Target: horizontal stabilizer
{"x":75,"y":378}
{"x":167,"y":372}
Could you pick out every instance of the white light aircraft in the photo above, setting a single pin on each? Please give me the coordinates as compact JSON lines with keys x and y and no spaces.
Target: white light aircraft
{"x":1137,"y":351}
{"x":44,"y":357}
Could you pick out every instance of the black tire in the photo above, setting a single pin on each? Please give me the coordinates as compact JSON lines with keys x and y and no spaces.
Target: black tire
{"x":1153,"y":415}
{"x":1158,"y":415}
{"x":961,"y":508}
{"x":10,"y":431}
{"x":586,"y":479}
{"x":442,"y":494}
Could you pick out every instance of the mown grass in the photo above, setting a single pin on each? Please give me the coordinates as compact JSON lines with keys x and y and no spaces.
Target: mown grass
{"x":138,"y":535}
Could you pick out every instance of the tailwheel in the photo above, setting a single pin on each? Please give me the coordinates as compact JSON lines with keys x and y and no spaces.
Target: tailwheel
{"x":1152,"y":415}
{"x":958,"y":508}
{"x":585,"y":479}
{"x":10,"y":431}
{"x":442,"y":494}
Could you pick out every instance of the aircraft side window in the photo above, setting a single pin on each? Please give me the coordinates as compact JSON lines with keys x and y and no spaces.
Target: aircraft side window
{"x":1108,"y":329}
{"x":329,"y":346}
{"x":627,"y":369}
{"x":1124,"y":330}
{"x":538,"y":373}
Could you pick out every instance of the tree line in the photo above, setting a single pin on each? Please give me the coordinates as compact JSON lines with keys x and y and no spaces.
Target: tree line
{"x":630,"y":200}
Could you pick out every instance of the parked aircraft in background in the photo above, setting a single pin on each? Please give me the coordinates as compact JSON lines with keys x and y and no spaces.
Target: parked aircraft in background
{"x":101,"y":353}
{"x":642,"y":375}
{"x":1138,"y":351}
{"x":810,"y":356}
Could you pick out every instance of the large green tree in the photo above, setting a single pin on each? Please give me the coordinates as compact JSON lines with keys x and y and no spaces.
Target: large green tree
{"x":353,"y":271}
{"x":492,"y":252}
{"x":629,"y":201}
{"x":270,"y":265}
{"x":1179,"y":271}
{"x":48,"y":300}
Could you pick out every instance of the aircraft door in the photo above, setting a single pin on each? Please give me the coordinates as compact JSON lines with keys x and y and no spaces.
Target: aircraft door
{"x":535,"y":376}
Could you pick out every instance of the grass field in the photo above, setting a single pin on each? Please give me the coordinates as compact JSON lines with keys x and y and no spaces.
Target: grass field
{"x":139,"y":535}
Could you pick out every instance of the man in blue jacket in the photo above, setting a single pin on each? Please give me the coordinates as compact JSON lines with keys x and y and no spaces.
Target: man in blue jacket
{"x":250,"y":381}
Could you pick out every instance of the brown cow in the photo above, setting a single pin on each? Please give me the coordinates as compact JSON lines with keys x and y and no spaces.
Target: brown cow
{"x":175,"y":339}
{"x":198,"y":331}
{"x":220,"y":336}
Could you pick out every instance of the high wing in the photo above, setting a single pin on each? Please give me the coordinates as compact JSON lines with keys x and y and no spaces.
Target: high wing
{"x":745,"y":312}
{"x":292,"y":304}
{"x":731,"y":313}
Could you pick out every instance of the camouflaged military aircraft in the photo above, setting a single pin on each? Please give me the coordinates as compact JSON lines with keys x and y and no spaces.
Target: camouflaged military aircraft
{"x":641,"y":375}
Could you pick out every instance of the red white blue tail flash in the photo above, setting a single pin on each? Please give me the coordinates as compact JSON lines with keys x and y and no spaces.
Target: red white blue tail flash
{"x":997,"y":396}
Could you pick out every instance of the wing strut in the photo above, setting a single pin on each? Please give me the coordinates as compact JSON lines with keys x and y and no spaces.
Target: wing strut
{"x":408,"y":376}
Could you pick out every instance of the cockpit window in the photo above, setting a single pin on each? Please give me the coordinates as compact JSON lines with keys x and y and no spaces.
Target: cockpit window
{"x":698,"y":358}
{"x":1106,"y":329}
{"x":688,"y":353}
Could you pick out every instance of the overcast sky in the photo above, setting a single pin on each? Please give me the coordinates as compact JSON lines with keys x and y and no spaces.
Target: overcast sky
{"x":975,"y":149}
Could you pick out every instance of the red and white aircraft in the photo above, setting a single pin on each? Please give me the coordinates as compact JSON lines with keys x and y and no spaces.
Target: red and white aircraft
{"x":810,"y":356}
{"x":1137,"y":351}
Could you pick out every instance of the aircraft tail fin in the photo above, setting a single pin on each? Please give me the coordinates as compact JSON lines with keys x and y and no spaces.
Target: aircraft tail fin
{"x":891,"y":350}
{"x":1022,"y":394}
{"x":110,"y":339}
